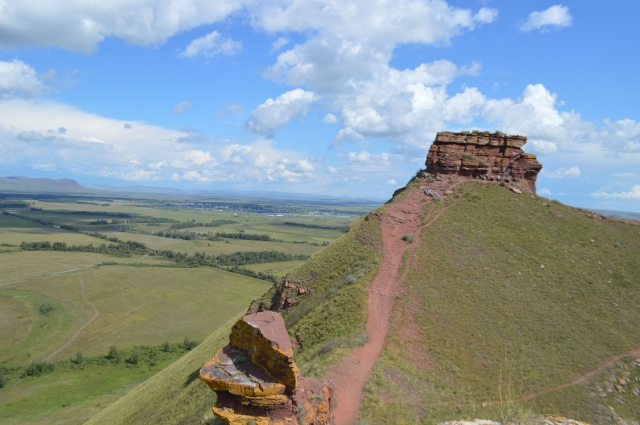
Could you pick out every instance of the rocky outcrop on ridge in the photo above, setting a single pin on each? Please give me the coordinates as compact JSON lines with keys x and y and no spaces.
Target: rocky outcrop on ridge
{"x":484,"y":155}
{"x":257,"y":381}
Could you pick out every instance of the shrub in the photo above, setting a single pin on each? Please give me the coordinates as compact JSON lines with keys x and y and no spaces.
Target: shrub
{"x":46,"y":308}
{"x":114,"y":355}
{"x":2,"y":381}
{"x":135,"y":356}
{"x":37,"y":369}
{"x":188,"y":344}
{"x":408,"y":238}
{"x":166,"y":347}
{"x":79,"y":358}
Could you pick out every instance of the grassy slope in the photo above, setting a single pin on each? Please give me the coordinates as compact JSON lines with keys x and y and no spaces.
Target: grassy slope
{"x":173,"y":396}
{"x":479,"y":316}
{"x":334,"y":320}
{"x":478,"y":306}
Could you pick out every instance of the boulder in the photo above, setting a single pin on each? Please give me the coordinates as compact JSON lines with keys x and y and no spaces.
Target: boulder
{"x":257,"y":381}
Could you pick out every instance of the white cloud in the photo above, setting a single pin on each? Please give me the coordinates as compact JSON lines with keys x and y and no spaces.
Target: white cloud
{"x":233,"y":108}
{"x":562,"y":172}
{"x":332,"y":170}
{"x":367,"y":158}
{"x":634,"y":194}
{"x":211,"y":45}
{"x":17,"y":79}
{"x":279,"y":43}
{"x":273,"y":114}
{"x":391,"y":182}
{"x":543,"y":191}
{"x":81,"y":25}
{"x":329,"y":119}
{"x":556,"y":16}
{"x":127,"y":125}
{"x":44,"y":167}
{"x":626,"y":175}
{"x":181,"y":107}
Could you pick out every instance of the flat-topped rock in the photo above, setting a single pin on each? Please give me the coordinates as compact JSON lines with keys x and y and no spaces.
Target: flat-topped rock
{"x":483,"y":155}
{"x":264,"y":337}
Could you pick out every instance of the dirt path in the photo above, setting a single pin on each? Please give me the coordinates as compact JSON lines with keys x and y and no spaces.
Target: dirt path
{"x":351,"y":373}
{"x":75,"y":335}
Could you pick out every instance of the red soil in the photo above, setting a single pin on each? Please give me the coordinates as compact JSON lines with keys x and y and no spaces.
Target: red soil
{"x":351,"y":373}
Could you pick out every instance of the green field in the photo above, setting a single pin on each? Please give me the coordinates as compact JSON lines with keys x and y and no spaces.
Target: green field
{"x":142,"y":300}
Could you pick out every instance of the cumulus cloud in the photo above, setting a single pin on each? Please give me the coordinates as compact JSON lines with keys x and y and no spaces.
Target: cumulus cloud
{"x":633,"y":194}
{"x":181,"y":107}
{"x":391,"y":182}
{"x":543,"y":191}
{"x":563,"y":172}
{"x":275,"y":113}
{"x":211,"y":45}
{"x":557,"y":16}
{"x":17,"y":79}
{"x":127,"y":125}
{"x":332,"y":170}
{"x":80,"y":26}
{"x":329,"y":119}
{"x":99,"y":146}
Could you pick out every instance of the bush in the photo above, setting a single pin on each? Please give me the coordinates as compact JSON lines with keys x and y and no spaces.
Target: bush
{"x":79,"y":358}
{"x":46,"y":308}
{"x":188,"y":344}
{"x":114,"y":355}
{"x":135,"y":356}
{"x":2,"y":381}
{"x":408,"y":238}
{"x":37,"y":369}
{"x":166,"y":347}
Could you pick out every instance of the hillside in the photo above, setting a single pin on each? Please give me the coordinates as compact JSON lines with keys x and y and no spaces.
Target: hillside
{"x":39,"y":185}
{"x":486,"y":303}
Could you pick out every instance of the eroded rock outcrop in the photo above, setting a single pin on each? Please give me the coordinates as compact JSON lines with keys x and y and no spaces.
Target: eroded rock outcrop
{"x":257,"y":381}
{"x":484,"y":154}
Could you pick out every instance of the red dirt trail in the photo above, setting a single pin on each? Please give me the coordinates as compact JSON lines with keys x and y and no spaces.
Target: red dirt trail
{"x":350,"y":374}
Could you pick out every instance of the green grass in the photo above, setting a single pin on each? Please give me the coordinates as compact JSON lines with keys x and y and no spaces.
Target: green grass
{"x":81,"y":389}
{"x":142,"y":305}
{"x":173,"y":396}
{"x":276,"y":269}
{"x":481,"y":300}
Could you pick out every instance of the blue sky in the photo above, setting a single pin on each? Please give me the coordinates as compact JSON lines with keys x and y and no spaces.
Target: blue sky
{"x":331,"y":97}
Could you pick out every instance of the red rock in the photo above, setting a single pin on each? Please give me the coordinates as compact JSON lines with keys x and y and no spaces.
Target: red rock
{"x":256,"y":379}
{"x":479,"y":154}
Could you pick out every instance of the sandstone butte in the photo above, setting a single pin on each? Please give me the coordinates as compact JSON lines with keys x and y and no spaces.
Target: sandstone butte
{"x":483,"y":155}
{"x":256,"y":379}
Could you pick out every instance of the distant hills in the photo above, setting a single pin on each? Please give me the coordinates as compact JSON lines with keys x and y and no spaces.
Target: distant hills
{"x":26,"y":185}
{"x":40,"y":185}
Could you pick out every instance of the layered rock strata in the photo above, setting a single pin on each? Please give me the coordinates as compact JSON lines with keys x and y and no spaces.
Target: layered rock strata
{"x":484,"y":155}
{"x":257,"y":381}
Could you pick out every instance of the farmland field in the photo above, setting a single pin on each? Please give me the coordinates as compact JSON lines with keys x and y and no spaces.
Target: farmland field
{"x":72,"y":288}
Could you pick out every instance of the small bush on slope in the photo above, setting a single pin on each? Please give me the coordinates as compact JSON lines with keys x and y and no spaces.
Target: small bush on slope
{"x":481,"y":299}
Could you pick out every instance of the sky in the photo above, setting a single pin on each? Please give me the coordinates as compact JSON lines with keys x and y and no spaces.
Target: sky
{"x":328,"y":97}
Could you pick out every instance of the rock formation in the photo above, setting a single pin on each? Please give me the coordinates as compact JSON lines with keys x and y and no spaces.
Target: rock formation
{"x":257,"y":380}
{"x":484,"y":154}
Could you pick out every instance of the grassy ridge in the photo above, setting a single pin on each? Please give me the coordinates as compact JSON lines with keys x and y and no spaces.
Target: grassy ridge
{"x":479,"y":302}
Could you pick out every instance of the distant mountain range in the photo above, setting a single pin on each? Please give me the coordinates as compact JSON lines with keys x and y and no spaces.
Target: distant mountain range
{"x":27,"y":185}
{"x":30,"y":185}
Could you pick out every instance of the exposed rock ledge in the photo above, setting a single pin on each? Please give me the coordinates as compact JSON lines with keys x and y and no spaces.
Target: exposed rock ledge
{"x":484,"y":155}
{"x":257,"y":380}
